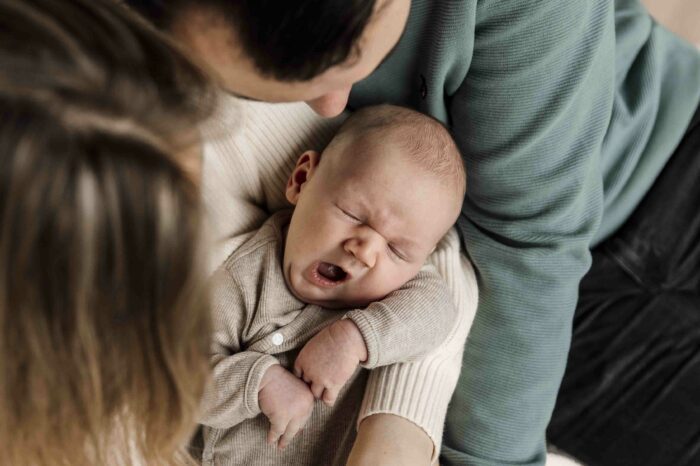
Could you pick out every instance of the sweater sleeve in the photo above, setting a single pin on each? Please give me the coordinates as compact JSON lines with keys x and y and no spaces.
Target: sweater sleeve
{"x":530,"y":118}
{"x":420,"y":390}
{"x":409,"y":322}
{"x":231,"y":396}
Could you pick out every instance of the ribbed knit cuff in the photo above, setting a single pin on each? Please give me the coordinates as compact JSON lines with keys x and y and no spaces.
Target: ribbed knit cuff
{"x":364,"y":324}
{"x":418,"y":392}
{"x":255,"y":376}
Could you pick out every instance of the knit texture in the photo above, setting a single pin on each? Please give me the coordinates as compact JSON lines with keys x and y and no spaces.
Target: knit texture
{"x":565,"y":113}
{"x":250,"y":149}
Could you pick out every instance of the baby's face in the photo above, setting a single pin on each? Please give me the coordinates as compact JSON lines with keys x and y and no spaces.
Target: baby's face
{"x":362,"y":226}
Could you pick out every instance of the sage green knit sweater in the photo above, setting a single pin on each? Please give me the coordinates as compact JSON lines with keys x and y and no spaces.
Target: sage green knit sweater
{"x":566,"y":112}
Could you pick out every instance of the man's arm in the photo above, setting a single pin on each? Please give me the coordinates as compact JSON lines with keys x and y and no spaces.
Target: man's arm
{"x":530,"y":118}
{"x":390,"y":440}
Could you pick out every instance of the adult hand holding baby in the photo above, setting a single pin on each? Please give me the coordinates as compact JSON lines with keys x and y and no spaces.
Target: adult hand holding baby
{"x":330,"y":358}
{"x":286,"y":401}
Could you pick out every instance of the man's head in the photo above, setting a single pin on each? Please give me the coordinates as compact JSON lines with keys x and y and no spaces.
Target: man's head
{"x":279,"y":50}
{"x":372,"y":208}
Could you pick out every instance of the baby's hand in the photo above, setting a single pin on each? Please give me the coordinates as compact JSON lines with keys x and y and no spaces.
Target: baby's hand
{"x":329,"y":359}
{"x":286,"y":401}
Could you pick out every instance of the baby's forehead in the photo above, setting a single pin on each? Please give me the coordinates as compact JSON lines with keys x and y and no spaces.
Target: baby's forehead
{"x":369,"y":160}
{"x":377,"y":150}
{"x":386,"y":136}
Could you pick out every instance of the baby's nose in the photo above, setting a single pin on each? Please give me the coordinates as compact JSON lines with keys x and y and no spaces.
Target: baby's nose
{"x":363,"y":249}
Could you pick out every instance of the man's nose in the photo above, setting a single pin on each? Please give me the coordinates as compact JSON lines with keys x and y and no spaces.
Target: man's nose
{"x":364,"y":248}
{"x":332,"y":103}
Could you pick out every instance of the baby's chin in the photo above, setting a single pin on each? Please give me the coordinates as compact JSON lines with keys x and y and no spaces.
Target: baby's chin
{"x":329,"y":301}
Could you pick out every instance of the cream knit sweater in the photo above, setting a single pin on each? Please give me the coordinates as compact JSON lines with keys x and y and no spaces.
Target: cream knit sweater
{"x":250,"y":149}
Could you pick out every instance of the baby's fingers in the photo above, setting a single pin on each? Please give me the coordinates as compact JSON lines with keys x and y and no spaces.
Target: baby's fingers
{"x":317,"y":390}
{"x":329,"y":396}
{"x":292,"y":429}
{"x":298,"y":371}
{"x":274,"y":434}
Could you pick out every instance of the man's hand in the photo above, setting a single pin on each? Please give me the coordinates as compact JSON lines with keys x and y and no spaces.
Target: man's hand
{"x":329,"y":359}
{"x":286,"y":401}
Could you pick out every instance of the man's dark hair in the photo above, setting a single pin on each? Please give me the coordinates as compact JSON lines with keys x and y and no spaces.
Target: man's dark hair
{"x":288,"y":40}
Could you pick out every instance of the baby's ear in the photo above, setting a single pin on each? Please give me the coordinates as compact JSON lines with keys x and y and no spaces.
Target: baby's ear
{"x":304,"y":170}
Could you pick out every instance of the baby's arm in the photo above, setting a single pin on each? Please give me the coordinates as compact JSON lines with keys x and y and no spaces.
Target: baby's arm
{"x":330,"y":358}
{"x":409,"y":323}
{"x":287,"y":403}
{"x":247,"y":383}
{"x":405,"y":325}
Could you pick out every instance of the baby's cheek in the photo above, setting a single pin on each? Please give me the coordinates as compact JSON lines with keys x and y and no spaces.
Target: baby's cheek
{"x":368,"y":291}
{"x":404,"y":274}
{"x":392,"y":281}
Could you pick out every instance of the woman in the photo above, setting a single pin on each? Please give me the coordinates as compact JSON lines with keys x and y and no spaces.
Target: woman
{"x":103,"y":312}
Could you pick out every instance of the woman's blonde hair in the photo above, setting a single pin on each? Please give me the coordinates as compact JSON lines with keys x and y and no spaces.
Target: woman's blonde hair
{"x":104,"y":321}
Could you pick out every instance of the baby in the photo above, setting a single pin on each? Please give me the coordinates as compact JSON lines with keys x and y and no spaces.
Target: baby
{"x":336,"y":286}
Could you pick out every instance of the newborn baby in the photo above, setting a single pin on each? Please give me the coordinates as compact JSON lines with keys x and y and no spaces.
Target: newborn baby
{"x":337,"y":286}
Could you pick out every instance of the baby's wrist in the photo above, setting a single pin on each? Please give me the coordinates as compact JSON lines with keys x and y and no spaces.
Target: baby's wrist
{"x":271,"y":373}
{"x":355,"y":339}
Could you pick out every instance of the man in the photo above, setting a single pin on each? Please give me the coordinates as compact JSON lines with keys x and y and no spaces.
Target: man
{"x":566,"y":113}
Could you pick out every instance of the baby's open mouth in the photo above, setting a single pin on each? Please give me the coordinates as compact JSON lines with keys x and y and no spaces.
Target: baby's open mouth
{"x":331,"y":272}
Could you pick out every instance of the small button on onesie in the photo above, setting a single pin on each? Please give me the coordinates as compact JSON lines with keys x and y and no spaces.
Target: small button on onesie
{"x":277,"y":339}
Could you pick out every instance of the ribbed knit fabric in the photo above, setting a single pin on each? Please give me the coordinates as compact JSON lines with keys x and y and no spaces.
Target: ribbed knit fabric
{"x":565,"y":113}
{"x":250,"y":149}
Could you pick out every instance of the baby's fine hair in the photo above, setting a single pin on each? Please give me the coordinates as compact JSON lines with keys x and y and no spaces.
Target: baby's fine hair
{"x":425,"y":139}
